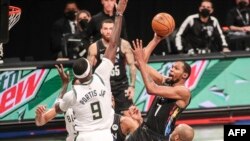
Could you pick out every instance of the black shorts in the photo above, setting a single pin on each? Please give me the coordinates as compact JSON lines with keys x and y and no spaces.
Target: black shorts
{"x":143,"y":133}
{"x":121,"y":99}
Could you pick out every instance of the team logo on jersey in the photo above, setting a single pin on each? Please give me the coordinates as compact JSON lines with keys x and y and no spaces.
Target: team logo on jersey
{"x":115,"y":127}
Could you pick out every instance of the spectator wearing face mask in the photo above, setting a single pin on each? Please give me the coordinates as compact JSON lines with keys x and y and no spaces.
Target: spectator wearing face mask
{"x":201,"y":33}
{"x":83,"y":17}
{"x":238,"y":21}
{"x":63,"y":27}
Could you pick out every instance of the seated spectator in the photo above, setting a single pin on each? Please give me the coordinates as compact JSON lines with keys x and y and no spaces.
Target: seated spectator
{"x":201,"y":33}
{"x":62,"y":28}
{"x":83,"y":17}
{"x":239,"y":25}
{"x":81,"y":45}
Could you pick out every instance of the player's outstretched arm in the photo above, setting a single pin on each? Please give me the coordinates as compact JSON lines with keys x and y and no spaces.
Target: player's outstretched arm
{"x":151,"y":46}
{"x":156,"y":76}
{"x":151,"y":86}
{"x":127,"y":51}
{"x":114,"y":39}
{"x":65,"y":79}
{"x":42,"y":117}
{"x":141,"y":64}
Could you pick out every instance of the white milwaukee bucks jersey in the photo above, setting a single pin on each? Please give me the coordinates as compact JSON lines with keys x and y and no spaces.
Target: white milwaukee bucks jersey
{"x":69,"y":122}
{"x":91,"y":101}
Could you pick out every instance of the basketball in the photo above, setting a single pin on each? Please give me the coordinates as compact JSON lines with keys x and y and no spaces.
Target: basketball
{"x":163,"y":24}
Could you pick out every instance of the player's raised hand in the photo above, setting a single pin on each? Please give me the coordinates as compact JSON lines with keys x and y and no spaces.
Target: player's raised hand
{"x":138,"y":52}
{"x":39,"y":115}
{"x":157,"y":37}
{"x":121,"y":6}
{"x":130,"y":92}
{"x":64,"y":76}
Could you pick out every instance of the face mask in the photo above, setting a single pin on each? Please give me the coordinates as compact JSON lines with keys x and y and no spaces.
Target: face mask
{"x":70,"y":15}
{"x":83,"y":23}
{"x":242,"y":4}
{"x":204,"y":13}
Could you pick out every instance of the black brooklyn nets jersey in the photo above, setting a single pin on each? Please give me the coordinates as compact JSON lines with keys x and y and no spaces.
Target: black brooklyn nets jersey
{"x":116,"y":129}
{"x":118,"y":73}
{"x":162,"y":115}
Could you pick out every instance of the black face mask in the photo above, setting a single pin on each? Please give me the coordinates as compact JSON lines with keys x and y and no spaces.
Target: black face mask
{"x":204,"y":13}
{"x":83,"y":23}
{"x":70,"y":15}
{"x":242,"y":5}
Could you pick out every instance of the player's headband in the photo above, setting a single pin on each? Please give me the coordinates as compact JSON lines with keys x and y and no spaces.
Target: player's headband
{"x":86,"y":73}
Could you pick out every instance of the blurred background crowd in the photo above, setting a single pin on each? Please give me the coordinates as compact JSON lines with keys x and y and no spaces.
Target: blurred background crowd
{"x":64,"y":29}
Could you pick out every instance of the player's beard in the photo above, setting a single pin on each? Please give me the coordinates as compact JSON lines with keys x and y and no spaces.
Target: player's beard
{"x":106,"y":39}
{"x":170,"y":82}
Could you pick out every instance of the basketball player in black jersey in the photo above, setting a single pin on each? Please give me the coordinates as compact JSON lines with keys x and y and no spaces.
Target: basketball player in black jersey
{"x":126,"y":122}
{"x":124,"y":125}
{"x":170,"y":100}
{"x":121,"y":90}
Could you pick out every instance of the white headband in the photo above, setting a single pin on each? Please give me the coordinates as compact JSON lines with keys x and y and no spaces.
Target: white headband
{"x":86,"y":73}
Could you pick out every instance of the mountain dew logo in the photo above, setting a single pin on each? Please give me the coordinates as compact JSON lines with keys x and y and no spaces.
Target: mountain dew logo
{"x":197,"y":69}
{"x":16,"y":92}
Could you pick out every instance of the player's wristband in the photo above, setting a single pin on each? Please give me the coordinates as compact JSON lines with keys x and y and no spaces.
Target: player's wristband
{"x":118,"y":14}
{"x":133,"y":86}
{"x":57,"y":100}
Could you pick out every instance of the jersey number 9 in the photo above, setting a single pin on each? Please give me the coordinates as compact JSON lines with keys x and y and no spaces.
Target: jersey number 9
{"x":96,"y":110}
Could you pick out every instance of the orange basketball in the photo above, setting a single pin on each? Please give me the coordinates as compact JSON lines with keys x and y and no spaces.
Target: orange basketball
{"x":163,"y":24}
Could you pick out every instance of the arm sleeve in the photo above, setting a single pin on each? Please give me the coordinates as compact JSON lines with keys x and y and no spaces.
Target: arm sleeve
{"x":67,"y":101}
{"x":184,"y":26}
{"x":218,"y":28}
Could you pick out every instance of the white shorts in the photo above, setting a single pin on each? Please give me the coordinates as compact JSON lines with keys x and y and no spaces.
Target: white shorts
{"x":104,"y":135}
{"x":70,"y":138}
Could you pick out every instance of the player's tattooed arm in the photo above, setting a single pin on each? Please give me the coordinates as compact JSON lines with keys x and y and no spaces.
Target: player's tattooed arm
{"x":92,"y":54}
{"x":142,"y":65}
{"x":127,"y":51}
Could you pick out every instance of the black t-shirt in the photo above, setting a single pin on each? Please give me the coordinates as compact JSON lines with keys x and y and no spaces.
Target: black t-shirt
{"x":118,"y":74}
{"x":238,"y":17}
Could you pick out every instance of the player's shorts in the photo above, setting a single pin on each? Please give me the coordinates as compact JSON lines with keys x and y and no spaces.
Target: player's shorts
{"x":104,"y":135}
{"x":121,"y":98}
{"x":143,"y":133}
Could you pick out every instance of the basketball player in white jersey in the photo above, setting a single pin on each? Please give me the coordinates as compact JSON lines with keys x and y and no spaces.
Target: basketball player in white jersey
{"x":91,"y":100}
{"x":43,"y":116}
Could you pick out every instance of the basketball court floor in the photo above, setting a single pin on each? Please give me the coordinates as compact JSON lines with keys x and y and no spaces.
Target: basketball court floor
{"x":202,"y":133}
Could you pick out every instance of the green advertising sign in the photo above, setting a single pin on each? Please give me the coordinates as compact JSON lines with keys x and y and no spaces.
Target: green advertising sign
{"x":213,"y":83}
